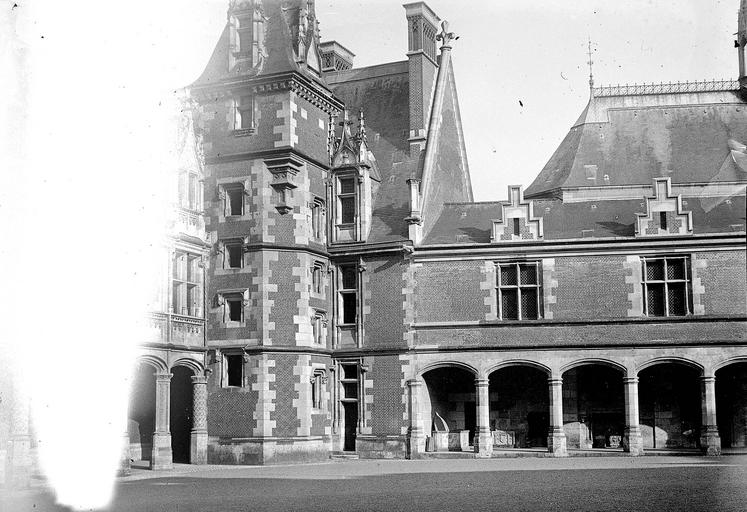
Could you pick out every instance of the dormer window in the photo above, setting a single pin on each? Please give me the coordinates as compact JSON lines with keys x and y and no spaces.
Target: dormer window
{"x":346,"y":201}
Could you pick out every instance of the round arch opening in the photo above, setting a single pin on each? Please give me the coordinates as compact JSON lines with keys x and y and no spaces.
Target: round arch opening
{"x":180,"y":412}
{"x":669,"y":400}
{"x":731,"y":404}
{"x":449,"y":408}
{"x":593,"y":406}
{"x":519,"y":406}
{"x":141,"y":417}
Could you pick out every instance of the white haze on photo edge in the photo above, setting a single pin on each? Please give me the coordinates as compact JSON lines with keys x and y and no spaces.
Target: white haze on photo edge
{"x":87,"y":135}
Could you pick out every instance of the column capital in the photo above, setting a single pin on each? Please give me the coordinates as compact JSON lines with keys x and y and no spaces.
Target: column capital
{"x":630,"y":380}
{"x":414,"y":382}
{"x":482,"y":382}
{"x":199,"y":379}
{"x":708,"y":378}
{"x":164,"y":377}
{"x":555,"y":381}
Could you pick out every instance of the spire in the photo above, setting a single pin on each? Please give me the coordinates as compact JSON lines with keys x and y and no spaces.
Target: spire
{"x":590,"y":62}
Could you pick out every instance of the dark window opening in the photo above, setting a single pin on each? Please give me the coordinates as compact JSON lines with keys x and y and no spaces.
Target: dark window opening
{"x":235,"y":255}
{"x":235,"y":197}
{"x":519,"y":291}
{"x":246,"y":113}
{"x":348,"y":308}
{"x":347,"y":186}
{"x":234,"y":310}
{"x":666,"y":284}
{"x":347,"y":206}
{"x":235,"y":370}
{"x":516,"y":226}
{"x":663,"y":220}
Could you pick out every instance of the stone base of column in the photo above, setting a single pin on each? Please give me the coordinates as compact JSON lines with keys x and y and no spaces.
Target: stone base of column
{"x":556,"y":443}
{"x":710,"y":442}
{"x":198,"y":441}
{"x":161,"y":457}
{"x":483,"y":444}
{"x":415,"y":445}
{"x":632,"y":441}
{"x":18,"y":462}
{"x":124,"y":457}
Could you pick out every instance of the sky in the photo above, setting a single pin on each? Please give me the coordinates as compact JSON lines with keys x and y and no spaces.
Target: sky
{"x":86,"y":147}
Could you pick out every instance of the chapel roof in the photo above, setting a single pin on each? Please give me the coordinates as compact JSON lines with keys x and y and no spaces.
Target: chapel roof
{"x":628,"y":135}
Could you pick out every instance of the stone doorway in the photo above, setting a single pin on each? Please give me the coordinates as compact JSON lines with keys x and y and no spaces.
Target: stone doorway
{"x":670,"y":406}
{"x":731,"y":405}
{"x":181,"y":413}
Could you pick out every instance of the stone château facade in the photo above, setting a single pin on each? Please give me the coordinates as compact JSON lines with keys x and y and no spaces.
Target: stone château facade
{"x":357,"y":299}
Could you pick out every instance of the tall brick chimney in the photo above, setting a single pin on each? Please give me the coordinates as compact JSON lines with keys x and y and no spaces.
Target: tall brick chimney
{"x":422,"y":27}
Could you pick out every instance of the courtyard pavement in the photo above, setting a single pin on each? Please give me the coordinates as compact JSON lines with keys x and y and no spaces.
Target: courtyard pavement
{"x":662,"y":483}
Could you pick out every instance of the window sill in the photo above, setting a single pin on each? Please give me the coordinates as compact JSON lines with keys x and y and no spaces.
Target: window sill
{"x":244,"y":132}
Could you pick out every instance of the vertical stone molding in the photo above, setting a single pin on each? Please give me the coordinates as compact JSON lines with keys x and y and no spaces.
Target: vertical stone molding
{"x":483,"y":437}
{"x":18,"y":456}
{"x":417,"y":432}
{"x":710,"y":442}
{"x":198,"y":436}
{"x":632,"y":438}
{"x":161,"y":457}
{"x":556,"y":442}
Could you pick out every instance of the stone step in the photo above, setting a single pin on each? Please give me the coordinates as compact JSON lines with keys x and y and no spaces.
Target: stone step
{"x":343,"y":456}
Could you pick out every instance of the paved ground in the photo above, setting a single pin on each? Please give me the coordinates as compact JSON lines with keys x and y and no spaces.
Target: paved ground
{"x":533,"y":484}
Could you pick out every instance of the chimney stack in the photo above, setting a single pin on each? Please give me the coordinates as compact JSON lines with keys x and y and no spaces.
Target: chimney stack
{"x":422,"y":27}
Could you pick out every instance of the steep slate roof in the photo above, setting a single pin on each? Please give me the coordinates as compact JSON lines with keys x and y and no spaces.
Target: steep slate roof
{"x":633,"y":137}
{"x":281,"y":37}
{"x":462,"y":223}
{"x":383,"y":93}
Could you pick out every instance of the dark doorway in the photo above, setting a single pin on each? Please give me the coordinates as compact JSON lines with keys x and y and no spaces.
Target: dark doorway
{"x":142,"y":413}
{"x":731,"y":405}
{"x":351,"y":423}
{"x":669,"y":403}
{"x":181,"y":413}
{"x":593,"y":406}
{"x":519,"y":406}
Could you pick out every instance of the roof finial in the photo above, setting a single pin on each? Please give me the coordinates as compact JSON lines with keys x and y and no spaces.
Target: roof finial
{"x":361,"y":135}
{"x":590,"y":62}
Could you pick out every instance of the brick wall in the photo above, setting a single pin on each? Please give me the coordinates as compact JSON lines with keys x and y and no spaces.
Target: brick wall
{"x":723,"y":275}
{"x":589,"y":288}
{"x":450,"y":291}
{"x":384,"y":322}
{"x":387,"y":407}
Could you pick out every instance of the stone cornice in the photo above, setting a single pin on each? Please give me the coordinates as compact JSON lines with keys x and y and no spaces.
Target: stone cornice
{"x":314,"y":93}
{"x":264,"y":154}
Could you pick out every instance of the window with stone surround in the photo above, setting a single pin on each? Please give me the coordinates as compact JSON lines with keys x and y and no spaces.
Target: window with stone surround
{"x":233,"y":303}
{"x":186,"y":284}
{"x":666,"y":286}
{"x":233,"y":199}
{"x":347,"y":305}
{"x":318,"y":327}
{"x":519,"y":290}
{"x":244,"y":114}
{"x":190,"y":191}
{"x":318,"y":379}
{"x":233,"y":254}
{"x":317,"y":278}
{"x":346,"y":200}
{"x":318,"y":220}
{"x":233,"y":374}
